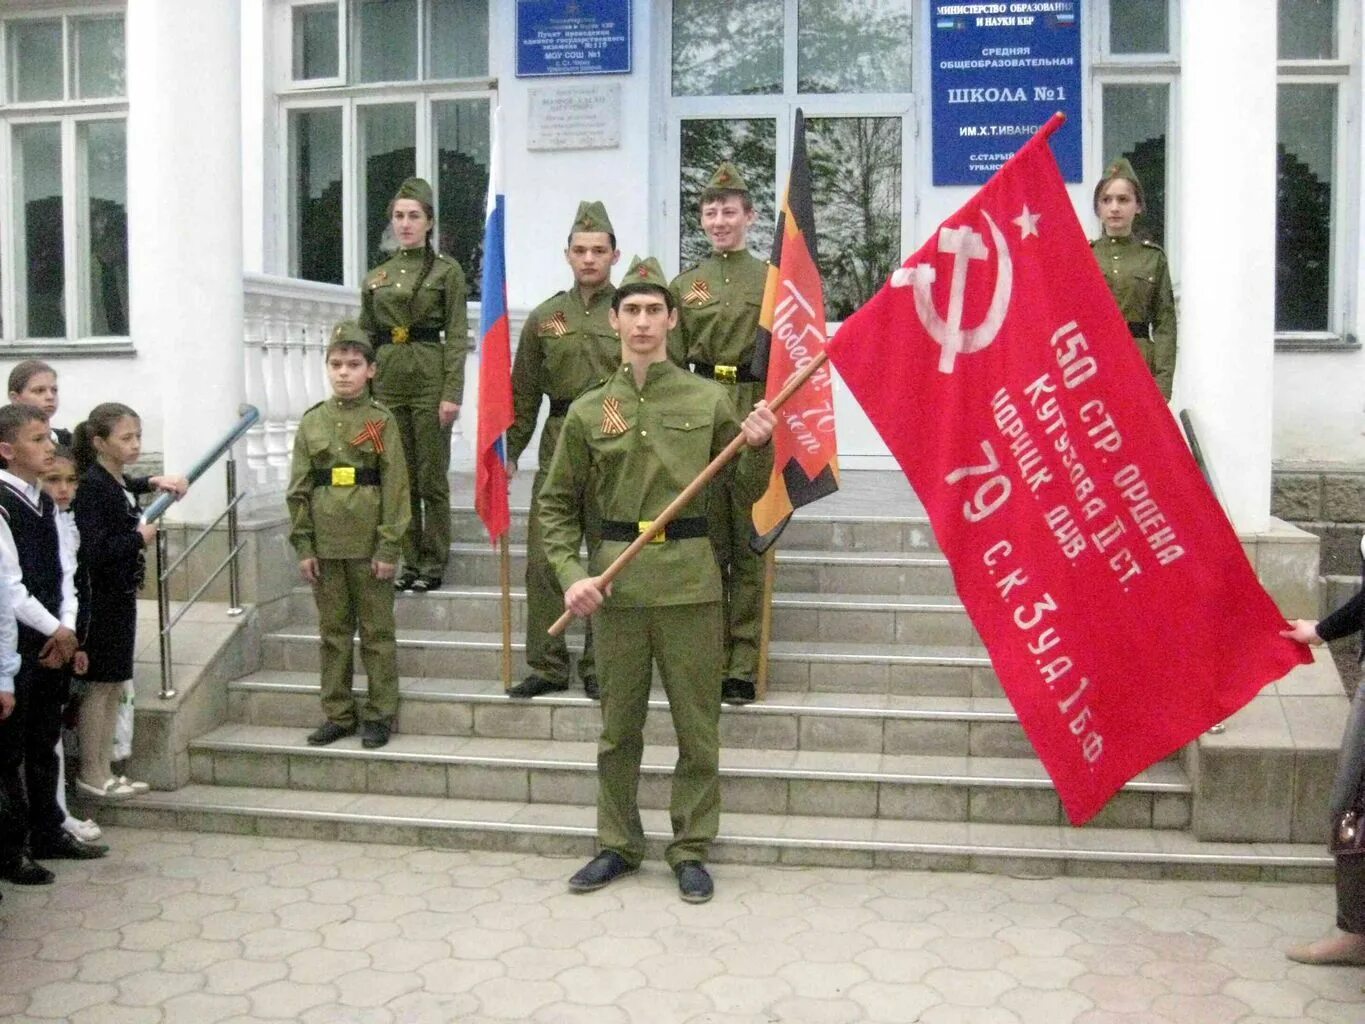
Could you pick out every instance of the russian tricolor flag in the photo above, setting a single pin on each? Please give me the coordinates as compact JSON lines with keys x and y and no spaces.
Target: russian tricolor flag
{"x":495,"y":360}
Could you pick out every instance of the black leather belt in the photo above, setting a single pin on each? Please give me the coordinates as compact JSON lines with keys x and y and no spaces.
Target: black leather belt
{"x":678,"y":529}
{"x":1140,"y":330}
{"x":725,"y":374}
{"x":406,"y":335}
{"x":346,"y":476}
{"x":560,"y":407}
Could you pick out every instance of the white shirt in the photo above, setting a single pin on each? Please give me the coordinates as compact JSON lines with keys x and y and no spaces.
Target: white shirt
{"x":27,"y":608}
{"x":9,"y":629}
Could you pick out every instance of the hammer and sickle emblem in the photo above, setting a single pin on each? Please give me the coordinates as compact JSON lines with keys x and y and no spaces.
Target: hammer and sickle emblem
{"x":965,"y":245}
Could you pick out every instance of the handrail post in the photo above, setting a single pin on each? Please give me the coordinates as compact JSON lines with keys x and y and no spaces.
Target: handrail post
{"x":234,"y":573}
{"x":163,"y":617}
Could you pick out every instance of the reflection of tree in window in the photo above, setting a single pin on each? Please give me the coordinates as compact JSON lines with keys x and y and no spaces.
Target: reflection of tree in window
{"x":46,"y":268}
{"x":1148,"y":158}
{"x":384,"y":172}
{"x":724,"y":48}
{"x":860,"y":46}
{"x":1302,"y":247}
{"x":108,"y":268}
{"x":464,"y":187}
{"x":855,"y":165}
{"x":751,"y":145}
{"x":320,"y":242}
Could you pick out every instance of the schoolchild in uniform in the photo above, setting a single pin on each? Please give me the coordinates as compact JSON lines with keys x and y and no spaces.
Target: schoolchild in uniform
{"x":718,"y":304}
{"x":348,"y":510}
{"x":628,"y":448}
{"x":60,"y":485}
{"x":43,"y":595}
{"x":112,"y":552}
{"x":413,"y":306}
{"x":34,"y":382}
{"x":9,"y":665}
{"x":1136,"y":271}
{"x":567,"y":346}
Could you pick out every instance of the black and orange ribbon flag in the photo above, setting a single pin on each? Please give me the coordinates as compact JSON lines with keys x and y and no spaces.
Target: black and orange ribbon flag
{"x":791,"y":333}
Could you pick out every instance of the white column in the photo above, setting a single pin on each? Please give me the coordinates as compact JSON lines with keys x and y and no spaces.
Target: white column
{"x":1227,"y":244}
{"x":185,"y":224}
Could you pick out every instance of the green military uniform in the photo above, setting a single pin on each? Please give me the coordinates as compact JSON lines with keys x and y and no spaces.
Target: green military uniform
{"x":1138,"y":274}
{"x":628,"y":451}
{"x":566,"y":347}
{"x":718,"y":306}
{"x":348,"y":504}
{"x":421,"y":342}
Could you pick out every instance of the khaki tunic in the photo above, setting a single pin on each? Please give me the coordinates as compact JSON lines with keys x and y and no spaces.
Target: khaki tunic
{"x":566,"y":347}
{"x":718,"y":307}
{"x":1138,"y":275}
{"x":664,"y":608}
{"x":344,"y":528}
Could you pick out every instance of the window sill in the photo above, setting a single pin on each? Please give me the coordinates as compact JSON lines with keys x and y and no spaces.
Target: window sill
{"x":60,"y":348}
{"x":1316,"y":341}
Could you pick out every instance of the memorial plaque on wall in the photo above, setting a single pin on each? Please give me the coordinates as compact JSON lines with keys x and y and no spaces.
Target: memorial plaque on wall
{"x":575,"y":117}
{"x":1000,"y":70}
{"x":573,"y":37}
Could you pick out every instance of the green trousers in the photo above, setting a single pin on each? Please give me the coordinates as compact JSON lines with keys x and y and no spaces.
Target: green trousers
{"x":685,"y":642}
{"x":730,"y":525}
{"x":426,"y":447}
{"x":548,"y":655}
{"x":348,"y":595}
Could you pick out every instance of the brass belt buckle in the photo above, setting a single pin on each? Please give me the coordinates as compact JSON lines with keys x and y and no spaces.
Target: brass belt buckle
{"x":399,"y":335}
{"x":727,"y":374}
{"x":658,"y":538}
{"x":343,"y":476}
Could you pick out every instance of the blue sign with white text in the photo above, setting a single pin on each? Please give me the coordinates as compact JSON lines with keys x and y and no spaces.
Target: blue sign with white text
{"x":1000,"y":70}
{"x":573,"y":37}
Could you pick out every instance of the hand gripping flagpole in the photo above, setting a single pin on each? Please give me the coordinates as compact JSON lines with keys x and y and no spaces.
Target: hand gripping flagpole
{"x":691,"y":490}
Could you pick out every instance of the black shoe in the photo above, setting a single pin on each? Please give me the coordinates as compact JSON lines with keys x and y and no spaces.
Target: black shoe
{"x":591,"y":688}
{"x":62,"y":845}
{"x":534,"y":686}
{"x":694,"y":882}
{"x":20,"y":870}
{"x":405,"y":581}
{"x":737,"y":691}
{"x":374,"y":735}
{"x":602,"y":870}
{"x":424,"y":583}
{"x":329,"y":732}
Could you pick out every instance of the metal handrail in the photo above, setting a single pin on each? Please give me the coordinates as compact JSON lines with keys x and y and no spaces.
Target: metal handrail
{"x":248,"y":414}
{"x":1197,"y":450}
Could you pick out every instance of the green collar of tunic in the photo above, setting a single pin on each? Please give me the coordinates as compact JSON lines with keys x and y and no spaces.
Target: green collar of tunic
{"x":741,"y":255}
{"x":653,"y":373}
{"x":347,"y":404}
{"x":603,"y":292}
{"x":1119,"y":241}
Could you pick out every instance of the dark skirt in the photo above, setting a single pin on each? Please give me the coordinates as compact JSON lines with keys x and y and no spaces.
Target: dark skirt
{"x":112,"y":635}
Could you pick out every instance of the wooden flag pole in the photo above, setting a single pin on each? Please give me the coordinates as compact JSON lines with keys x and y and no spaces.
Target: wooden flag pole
{"x":765,"y":631}
{"x":693,"y":489}
{"x":505,"y":575}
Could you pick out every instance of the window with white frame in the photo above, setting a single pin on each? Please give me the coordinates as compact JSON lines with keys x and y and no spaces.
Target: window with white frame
{"x":1311,"y":118}
{"x":738,"y":71}
{"x":376,"y":91}
{"x":1135,"y":67}
{"x":63,"y":176}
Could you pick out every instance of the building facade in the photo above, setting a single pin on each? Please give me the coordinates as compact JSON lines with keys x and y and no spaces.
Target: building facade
{"x":193,"y":189}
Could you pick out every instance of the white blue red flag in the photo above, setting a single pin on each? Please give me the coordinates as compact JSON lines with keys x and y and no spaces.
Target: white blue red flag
{"x":495,"y":361}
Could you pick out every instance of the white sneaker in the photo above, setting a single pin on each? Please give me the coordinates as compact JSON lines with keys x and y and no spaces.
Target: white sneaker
{"x":111,"y":790}
{"x":137,"y":787}
{"x":86,"y":831}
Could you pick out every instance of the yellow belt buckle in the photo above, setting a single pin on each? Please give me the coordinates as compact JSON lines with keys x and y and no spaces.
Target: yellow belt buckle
{"x":727,"y":374}
{"x":658,"y":538}
{"x":399,"y":335}
{"x":343,"y":476}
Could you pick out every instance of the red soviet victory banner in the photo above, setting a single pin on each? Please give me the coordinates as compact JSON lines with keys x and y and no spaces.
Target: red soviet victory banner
{"x":1117,"y":606}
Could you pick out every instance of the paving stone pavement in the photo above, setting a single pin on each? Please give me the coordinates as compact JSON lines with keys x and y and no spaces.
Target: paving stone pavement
{"x":184,"y":927}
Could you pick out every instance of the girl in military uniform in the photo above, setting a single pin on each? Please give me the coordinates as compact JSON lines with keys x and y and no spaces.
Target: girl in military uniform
{"x":413,"y":306}
{"x":1136,"y":271}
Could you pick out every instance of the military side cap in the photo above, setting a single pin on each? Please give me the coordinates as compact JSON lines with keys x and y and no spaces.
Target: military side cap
{"x":592,"y":216}
{"x":415,"y":188}
{"x":351,"y":333}
{"x":728,"y":178}
{"x":1121,"y":168}
{"x":643,"y":273}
